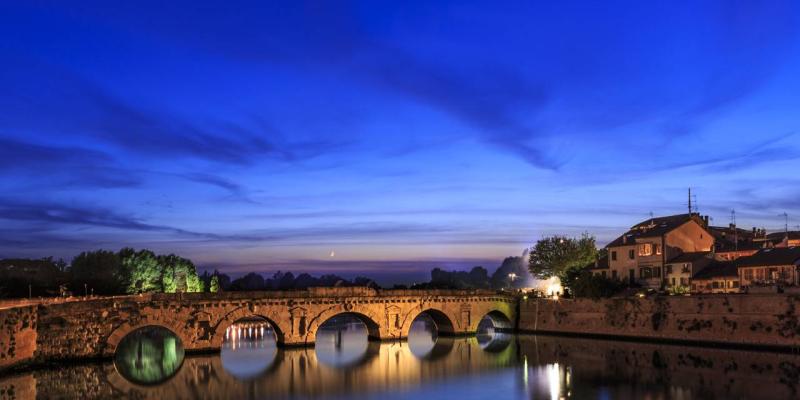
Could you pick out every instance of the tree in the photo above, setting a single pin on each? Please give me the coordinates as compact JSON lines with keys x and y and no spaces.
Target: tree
{"x":214,"y":286}
{"x":100,"y":271}
{"x":142,"y":269}
{"x":179,"y":274}
{"x":513,"y":273}
{"x":556,"y":255}
{"x":583,"y":283}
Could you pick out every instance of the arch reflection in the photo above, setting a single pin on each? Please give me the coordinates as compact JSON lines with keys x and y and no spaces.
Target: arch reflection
{"x":149,"y":355}
{"x":249,"y":348}
{"x":342,"y":341}
{"x":424,"y":341}
{"x":491,"y":333}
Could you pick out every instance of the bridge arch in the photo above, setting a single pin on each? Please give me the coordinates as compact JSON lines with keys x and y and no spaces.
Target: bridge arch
{"x":445,"y":324}
{"x":241,"y":313}
{"x":118,"y":334}
{"x":367,"y":318}
{"x":500,"y":320}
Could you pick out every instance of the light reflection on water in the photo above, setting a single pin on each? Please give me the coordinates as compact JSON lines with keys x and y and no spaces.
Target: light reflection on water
{"x":488,"y":365}
{"x":249,"y":348}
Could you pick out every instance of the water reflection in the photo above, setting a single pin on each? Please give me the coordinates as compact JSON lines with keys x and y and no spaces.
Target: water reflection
{"x":527,"y":367}
{"x":249,"y":348}
{"x":342,"y":341}
{"x":149,"y":355}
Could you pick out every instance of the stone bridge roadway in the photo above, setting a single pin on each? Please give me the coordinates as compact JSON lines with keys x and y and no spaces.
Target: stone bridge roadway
{"x":95,"y":328}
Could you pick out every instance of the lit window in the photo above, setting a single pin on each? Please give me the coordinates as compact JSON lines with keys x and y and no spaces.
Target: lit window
{"x":658,"y":249}
{"x":645,"y":249}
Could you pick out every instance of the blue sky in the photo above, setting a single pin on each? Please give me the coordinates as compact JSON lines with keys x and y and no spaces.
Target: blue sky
{"x":402,"y":137}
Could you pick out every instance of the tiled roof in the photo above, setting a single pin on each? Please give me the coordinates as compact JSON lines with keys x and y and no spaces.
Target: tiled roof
{"x":718,"y":269}
{"x":653,"y":227}
{"x":774,"y":256}
{"x":601,"y":263}
{"x":689,"y":257}
{"x":778,"y":236}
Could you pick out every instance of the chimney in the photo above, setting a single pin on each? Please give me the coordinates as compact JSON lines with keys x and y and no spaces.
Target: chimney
{"x":705,"y":219}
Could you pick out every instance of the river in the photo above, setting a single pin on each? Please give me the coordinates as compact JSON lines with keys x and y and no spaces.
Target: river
{"x":151,"y":364}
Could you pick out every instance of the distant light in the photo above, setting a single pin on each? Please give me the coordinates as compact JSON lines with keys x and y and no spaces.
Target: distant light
{"x":333,"y":254}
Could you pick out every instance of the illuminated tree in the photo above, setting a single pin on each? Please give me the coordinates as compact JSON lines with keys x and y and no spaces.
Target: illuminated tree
{"x":179,"y":275}
{"x":143,"y":271}
{"x":214,"y":286}
{"x":556,"y":255}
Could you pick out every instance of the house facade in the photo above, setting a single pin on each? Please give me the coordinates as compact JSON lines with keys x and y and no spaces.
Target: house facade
{"x":717,"y":277}
{"x":680,"y":270}
{"x":776,"y":267}
{"x":641,"y":254}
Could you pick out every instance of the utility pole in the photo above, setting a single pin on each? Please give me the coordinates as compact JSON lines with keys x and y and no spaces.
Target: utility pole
{"x":690,"y":201}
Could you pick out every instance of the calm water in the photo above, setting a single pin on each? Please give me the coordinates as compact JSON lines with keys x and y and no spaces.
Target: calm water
{"x":344,"y":364}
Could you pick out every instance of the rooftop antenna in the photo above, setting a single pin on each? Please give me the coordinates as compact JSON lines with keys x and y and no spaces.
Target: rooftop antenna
{"x":735,"y":231}
{"x":651,"y":215}
{"x":785,"y":223}
{"x":690,"y":201}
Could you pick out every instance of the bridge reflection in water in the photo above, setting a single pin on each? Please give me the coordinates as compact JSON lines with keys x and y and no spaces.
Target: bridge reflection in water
{"x":490,"y":364}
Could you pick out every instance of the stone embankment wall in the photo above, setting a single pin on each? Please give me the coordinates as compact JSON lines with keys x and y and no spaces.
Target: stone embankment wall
{"x":17,"y":335}
{"x":744,"y":320}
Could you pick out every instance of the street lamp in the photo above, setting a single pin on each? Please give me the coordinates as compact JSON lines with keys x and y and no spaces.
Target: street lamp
{"x":513,"y":277}
{"x":85,"y":290}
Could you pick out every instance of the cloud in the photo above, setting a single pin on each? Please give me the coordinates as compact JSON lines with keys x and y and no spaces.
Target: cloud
{"x":52,"y":214}
{"x":82,"y":110}
{"x":62,"y":166}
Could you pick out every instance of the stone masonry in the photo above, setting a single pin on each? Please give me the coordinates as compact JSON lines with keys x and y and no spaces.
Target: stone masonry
{"x":93,"y":329}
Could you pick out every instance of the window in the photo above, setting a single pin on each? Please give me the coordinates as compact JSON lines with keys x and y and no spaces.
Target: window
{"x":694,"y":288}
{"x":631,"y":254}
{"x":685,"y":282}
{"x":715,"y":285}
{"x":735,"y":284}
{"x":645,"y":249}
{"x":748,"y":274}
{"x":673,"y":281}
{"x":603,"y":274}
{"x":613,"y":256}
{"x":657,"y":272}
{"x":658,"y":249}
{"x":668,"y":269}
{"x":614,"y":274}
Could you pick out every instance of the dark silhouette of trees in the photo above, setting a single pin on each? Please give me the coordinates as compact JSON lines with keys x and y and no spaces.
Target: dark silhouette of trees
{"x":98,"y":272}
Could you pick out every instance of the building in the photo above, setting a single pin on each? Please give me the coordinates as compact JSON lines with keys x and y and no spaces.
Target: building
{"x":600,"y":267}
{"x":776,"y":267}
{"x":640,"y":254}
{"x":678,"y":271}
{"x":731,"y":242}
{"x":785,"y":239}
{"x":717,"y":277}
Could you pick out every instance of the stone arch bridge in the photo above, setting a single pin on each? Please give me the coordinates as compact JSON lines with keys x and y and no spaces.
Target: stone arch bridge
{"x":95,"y":328}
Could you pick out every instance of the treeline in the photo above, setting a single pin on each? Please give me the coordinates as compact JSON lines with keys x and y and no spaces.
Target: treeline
{"x":512,"y":274}
{"x":280,"y":281}
{"x":100,"y":272}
